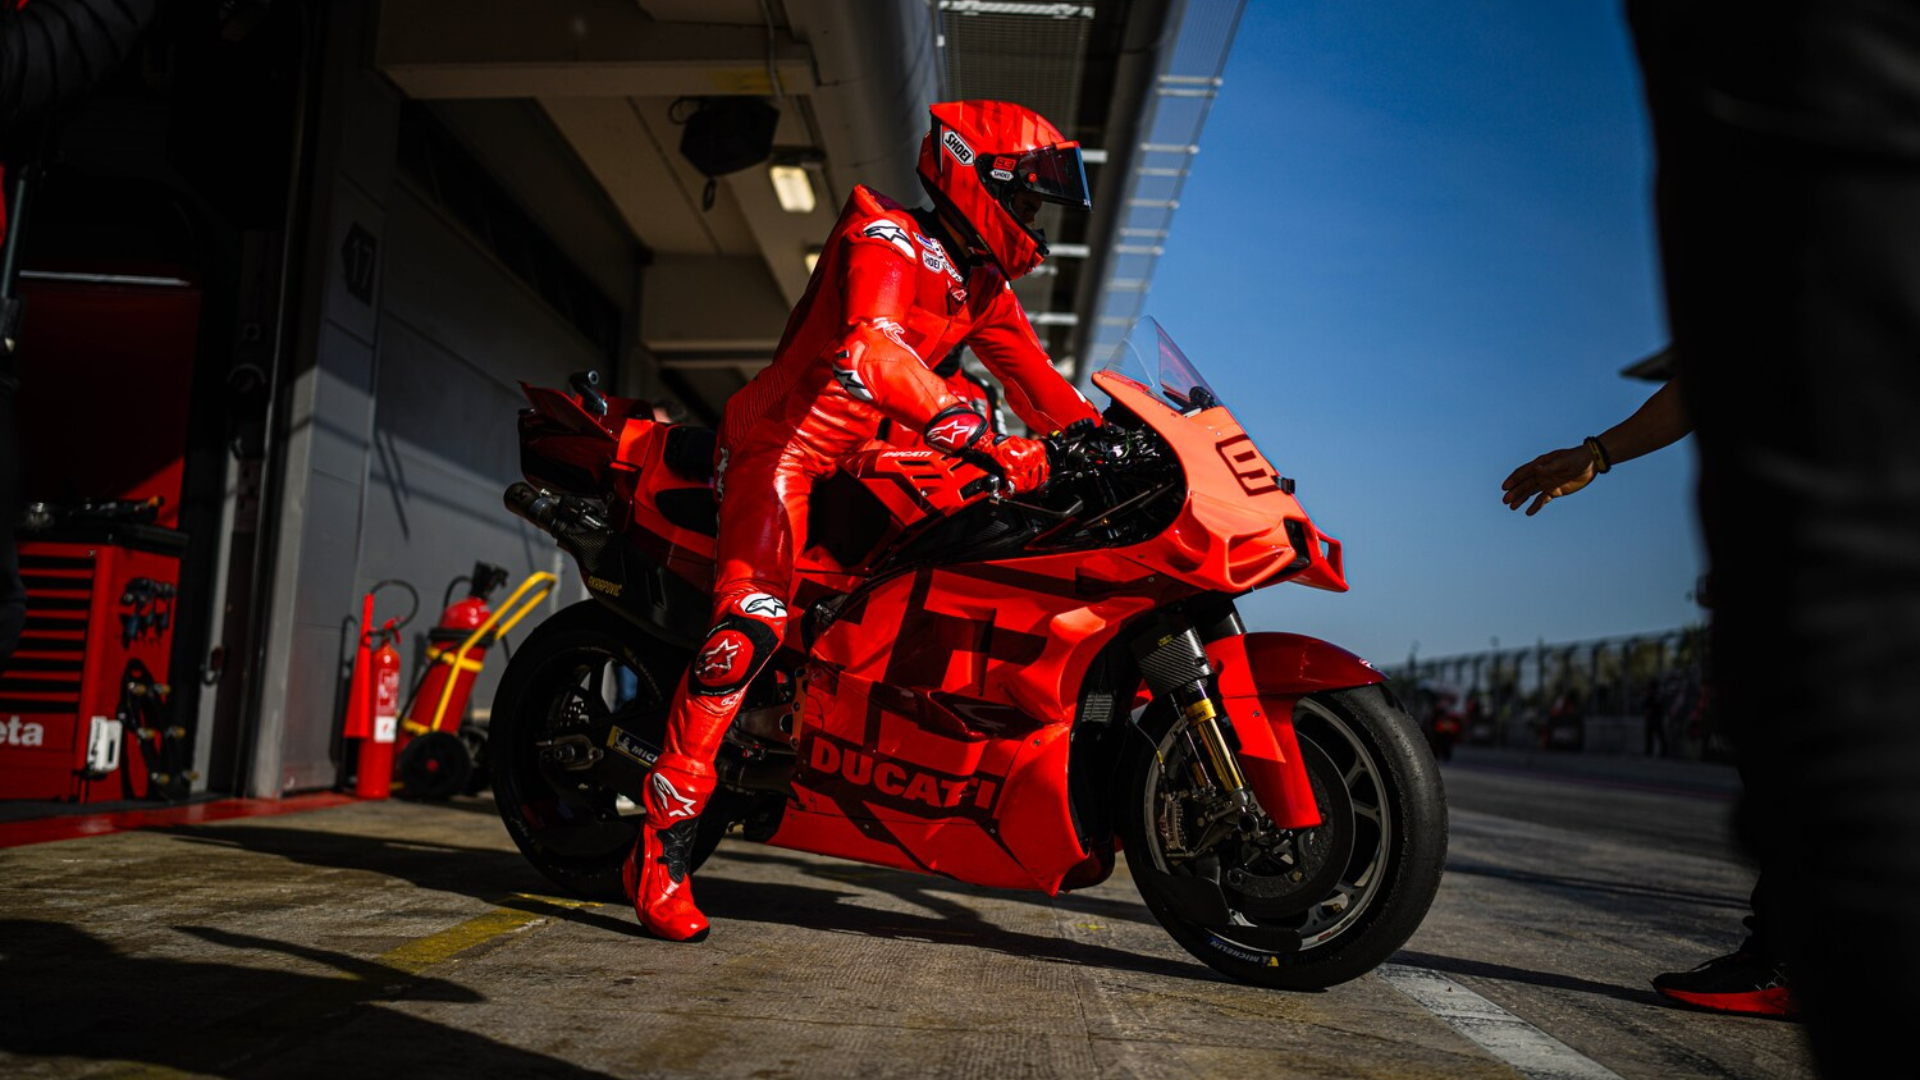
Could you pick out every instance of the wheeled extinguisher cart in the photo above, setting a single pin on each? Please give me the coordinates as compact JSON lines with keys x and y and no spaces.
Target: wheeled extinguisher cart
{"x":439,"y":755}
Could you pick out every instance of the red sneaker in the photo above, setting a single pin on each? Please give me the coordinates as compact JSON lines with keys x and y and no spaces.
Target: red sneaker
{"x":1742,"y":982}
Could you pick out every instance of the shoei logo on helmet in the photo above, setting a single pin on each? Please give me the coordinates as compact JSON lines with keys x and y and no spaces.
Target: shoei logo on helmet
{"x":957,"y":146}
{"x":1003,"y":168}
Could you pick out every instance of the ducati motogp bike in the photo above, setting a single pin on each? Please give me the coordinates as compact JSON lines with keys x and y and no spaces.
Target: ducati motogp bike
{"x":1008,"y":691}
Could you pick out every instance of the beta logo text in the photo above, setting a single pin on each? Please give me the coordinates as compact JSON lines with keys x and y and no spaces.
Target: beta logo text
{"x":15,"y":733}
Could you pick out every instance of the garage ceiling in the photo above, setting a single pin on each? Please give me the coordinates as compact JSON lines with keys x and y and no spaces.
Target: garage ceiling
{"x":615,"y":79}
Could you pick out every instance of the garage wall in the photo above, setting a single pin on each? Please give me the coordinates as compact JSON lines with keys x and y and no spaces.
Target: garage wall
{"x":395,"y":417}
{"x":456,"y":335}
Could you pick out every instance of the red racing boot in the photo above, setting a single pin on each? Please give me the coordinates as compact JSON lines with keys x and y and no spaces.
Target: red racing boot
{"x":657,"y":875}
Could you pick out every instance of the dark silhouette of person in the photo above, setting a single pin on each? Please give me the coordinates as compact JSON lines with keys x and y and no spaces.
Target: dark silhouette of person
{"x":1787,"y":149}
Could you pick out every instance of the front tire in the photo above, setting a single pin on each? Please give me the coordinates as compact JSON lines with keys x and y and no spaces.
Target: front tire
{"x":1365,"y":877}
{"x":576,"y":676}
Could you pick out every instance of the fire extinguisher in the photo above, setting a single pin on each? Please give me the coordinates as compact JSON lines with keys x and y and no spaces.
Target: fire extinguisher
{"x":373,"y":697}
{"x":437,"y":756}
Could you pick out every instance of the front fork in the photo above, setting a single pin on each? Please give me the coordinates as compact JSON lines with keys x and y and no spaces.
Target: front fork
{"x":1173,"y":660}
{"x":1255,"y":767}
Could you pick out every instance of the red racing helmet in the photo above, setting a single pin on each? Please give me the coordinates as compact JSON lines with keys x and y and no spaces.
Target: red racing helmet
{"x":979,"y":161}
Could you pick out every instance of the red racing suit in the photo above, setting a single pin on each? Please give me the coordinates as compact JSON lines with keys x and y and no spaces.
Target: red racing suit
{"x":885,"y":304}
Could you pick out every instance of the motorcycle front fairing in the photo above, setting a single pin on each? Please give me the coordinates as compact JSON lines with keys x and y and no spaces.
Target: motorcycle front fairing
{"x":1241,"y":528}
{"x":937,"y":710}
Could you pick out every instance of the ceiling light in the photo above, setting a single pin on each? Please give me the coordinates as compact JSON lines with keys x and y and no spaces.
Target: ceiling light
{"x":792,"y":188}
{"x":813,"y":259}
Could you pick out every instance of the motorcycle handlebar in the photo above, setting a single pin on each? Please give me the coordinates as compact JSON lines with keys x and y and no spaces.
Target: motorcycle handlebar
{"x":1085,"y":447}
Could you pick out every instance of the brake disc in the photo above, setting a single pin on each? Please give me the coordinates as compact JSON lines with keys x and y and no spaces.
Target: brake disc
{"x":1313,"y":860}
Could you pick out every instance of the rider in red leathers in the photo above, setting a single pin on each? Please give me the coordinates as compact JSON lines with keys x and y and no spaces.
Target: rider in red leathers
{"x":894,"y":291}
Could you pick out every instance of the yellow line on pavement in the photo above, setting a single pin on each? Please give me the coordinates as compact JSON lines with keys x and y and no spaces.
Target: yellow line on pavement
{"x":276,"y":1025}
{"x":417,"y":956}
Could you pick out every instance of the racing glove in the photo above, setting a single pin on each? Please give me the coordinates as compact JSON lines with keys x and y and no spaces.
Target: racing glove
{"x":1022,"y":463}
{"x":963,"y":432}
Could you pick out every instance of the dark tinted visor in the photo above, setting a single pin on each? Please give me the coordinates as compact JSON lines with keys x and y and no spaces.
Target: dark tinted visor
{"x":1055,"y":173}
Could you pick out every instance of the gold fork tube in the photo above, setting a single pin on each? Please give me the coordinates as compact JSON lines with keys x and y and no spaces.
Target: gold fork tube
{"x":1203,"y":718}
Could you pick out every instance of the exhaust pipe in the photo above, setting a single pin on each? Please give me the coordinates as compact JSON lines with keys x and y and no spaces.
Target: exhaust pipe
{"x":531,"y":505}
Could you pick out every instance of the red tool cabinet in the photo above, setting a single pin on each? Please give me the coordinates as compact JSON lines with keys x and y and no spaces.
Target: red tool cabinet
{"x":82,"y":698}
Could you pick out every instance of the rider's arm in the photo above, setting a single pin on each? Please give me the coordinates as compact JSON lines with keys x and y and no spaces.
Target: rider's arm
{"x":1005,"y":342}
{"x":871,"y":358}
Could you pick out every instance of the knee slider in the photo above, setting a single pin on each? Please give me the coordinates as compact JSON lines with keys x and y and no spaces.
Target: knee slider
{"x":738,"y":646}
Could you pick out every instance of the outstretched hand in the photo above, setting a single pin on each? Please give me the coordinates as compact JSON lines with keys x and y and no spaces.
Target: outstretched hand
{"x":1548,"y":477}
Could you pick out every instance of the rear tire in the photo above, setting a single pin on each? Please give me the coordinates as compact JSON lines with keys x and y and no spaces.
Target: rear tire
{"x":1372,"y":867}
{"x":564,"y":680}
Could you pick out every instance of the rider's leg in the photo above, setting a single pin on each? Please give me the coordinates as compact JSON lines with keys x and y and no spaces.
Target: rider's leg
{"x":753,"y":576}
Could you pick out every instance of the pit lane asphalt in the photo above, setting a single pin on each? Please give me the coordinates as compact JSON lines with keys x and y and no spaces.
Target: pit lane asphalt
{"x":393,"y":938}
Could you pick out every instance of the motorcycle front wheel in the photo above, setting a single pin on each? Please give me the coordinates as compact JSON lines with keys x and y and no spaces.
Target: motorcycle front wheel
{"x":1293,"y":911}
{"x":579,"y":674}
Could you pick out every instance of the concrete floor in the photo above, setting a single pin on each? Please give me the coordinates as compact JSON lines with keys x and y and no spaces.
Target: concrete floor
{"x":393,"y":938}
{"x":408,"y":939}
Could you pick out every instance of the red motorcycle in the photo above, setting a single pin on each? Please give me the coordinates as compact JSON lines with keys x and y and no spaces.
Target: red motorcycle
{"x":1005,"y":691}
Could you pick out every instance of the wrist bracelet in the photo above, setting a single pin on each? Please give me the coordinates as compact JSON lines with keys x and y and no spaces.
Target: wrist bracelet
{"x":1601,"y":463}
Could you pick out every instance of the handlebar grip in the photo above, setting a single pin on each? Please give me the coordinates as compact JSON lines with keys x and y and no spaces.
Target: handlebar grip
{"x":987,"y":484}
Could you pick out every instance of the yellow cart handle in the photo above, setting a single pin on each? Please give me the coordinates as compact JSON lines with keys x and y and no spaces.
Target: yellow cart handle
{"x":544,"y":581}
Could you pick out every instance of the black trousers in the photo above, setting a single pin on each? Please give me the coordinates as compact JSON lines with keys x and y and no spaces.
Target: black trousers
{"x":1788,"y":190}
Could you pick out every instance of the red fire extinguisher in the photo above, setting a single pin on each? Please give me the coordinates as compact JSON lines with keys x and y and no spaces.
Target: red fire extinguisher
{"x":373,"y":705}
{"x":375,"y":777}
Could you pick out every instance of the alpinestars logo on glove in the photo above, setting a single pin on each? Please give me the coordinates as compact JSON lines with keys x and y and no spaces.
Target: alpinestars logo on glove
{"x":955,"y":434}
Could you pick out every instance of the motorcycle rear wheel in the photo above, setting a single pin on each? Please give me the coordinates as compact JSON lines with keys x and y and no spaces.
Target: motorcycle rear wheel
{"x":1369,"y":873}
{"x":565,"y":679}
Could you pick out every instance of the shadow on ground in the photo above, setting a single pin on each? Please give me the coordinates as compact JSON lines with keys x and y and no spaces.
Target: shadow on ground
{"x":65,"y":993}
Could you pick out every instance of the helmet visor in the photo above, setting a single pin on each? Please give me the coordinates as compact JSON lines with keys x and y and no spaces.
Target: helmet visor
{"x":1054,"y":173}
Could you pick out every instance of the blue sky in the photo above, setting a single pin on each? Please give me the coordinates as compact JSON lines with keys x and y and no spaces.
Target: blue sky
{"x":1415,"y":252}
